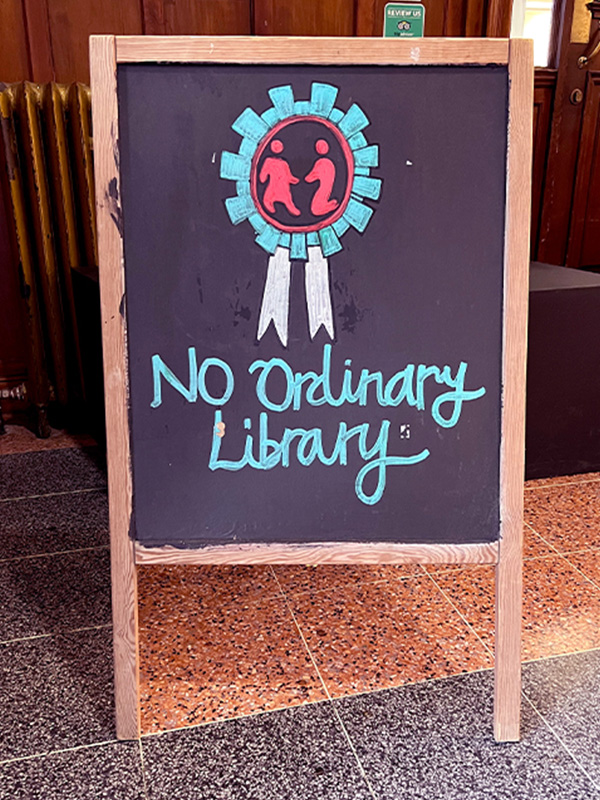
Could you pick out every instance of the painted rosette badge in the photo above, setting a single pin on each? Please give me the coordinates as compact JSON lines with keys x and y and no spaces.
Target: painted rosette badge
{"x":303,"y":178}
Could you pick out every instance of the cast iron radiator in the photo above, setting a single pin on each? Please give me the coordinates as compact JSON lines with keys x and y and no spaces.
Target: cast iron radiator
{"x":46,"y":135}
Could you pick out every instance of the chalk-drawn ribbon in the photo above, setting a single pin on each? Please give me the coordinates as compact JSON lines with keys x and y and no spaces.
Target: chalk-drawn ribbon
{"x":276,"y":296}
{"x":307,"y":241}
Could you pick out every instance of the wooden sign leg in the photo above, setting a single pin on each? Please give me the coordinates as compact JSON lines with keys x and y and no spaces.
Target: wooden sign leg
{"x":509,"y":570}
{"x":103,"y":67}
{"x":125,"y":639}
{"x":507,"y":670}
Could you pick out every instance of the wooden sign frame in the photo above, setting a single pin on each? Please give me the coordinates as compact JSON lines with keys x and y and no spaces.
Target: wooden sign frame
{"x":108,"y":51}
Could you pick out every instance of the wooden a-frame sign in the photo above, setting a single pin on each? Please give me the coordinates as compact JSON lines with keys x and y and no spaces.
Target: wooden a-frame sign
{"x":314,"y":268}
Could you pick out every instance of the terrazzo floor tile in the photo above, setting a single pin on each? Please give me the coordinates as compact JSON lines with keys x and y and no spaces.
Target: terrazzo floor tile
{"x":588,"y":561}
{"x":19,"y":439}
{"x":299,"y":754}
{"x":47,"y":594}
{"x":302,"y":579}
{"x":53,"y":524}
{"x":107,"y":772}
{"x":534,"y":546}
{"x":566,"y":691}
{"x":568,"y":517}
{"x":561,"y":608}
{"x":57,"y":692}
{"x":379,"y":635}
{"x":26,"y":474}
{"x":222,"y":661}
{"x":434,"y":741}
{"x":166,"y":590}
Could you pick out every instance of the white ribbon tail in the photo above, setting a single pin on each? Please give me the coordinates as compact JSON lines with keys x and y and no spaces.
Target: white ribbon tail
{"x":318,"y":295}
{"x":276,"y":296}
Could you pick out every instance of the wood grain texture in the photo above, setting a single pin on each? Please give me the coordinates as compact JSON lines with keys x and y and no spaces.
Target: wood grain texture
{"x":455,"y":22}
{"x":216,"y":17}
{"x":39,"y":42}
{"x":112,"y":293}
{"x":72,"y":22}
{"x":300,"y":50}
{"x":584,"y":234}
{"x":370,"y":17}
{"x":14,"y":54}
{"x":543,"y":98}
{"x":499,"y":14}
{"x":304,"y":17}
{"x":509,"y":581}
{"x":322,"y":553}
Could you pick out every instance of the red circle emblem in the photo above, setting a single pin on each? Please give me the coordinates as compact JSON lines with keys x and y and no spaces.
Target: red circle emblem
{"x":301,"y":174}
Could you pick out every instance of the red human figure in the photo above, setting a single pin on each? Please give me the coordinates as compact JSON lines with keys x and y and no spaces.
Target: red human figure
{"x":323,"y":171}
{"x":277,"y":171}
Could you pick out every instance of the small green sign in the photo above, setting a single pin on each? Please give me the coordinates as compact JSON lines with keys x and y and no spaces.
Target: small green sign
{"x":403,"y":20}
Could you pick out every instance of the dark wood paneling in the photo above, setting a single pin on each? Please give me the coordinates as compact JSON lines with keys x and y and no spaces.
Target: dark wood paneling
{"x":475,"y":18}
{"x":435,"y":16}
{"x":369,"y":17}
{"x":71,"y":22}
{"x":456,"y":13}
{"x":443,"y":17}
{"x":564,"y":142}
{"x":584,"y":238}
{"x":53,"y":34}
{"x":218,"y":17}
{"x":14,"y":57}
{"x":543,"y":97}
{"x":38,"y":36}
{"x":498,"y":18}
{"x":304,"y":18}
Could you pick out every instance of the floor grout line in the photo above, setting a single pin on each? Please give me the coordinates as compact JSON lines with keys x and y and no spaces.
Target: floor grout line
{"x":55,"y":553}
{"x":45,"y":753}
{"x":219,"y":720}
{"x":143,"y":767}
{"x":326,"y":690}
{"x":565,"y":556}
{"x":51,"y":494}
{"x":543,"y":538}
{"x":581,"y":572}
{"x":56,"y":633}
{"x":560,"y":655}
{"x":575,"y":760}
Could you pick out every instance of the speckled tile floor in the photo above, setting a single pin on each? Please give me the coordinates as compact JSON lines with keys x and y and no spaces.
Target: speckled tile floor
{"x":287,"y":682}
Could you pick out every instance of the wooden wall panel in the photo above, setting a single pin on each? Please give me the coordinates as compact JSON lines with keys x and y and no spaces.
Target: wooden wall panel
{"x":456,"y":14}
{"x":38,"y":36}
{"x":475,"y":18}
{"x":49,"y":38}
{"x":584,"y":236}
{"x":543,"y":98}
{"x":369,"y":17}
{"x":498,"y":18}
{"x":435,"y":17}
{"x":14,"y":56}
{"x":443,"y":17}
{"x":71,"y":22}
{"x":218,"y":17}
{"x":305,"y":18}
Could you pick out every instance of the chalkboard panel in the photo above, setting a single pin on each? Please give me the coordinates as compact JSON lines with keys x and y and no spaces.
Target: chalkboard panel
{"x":363,"y":401}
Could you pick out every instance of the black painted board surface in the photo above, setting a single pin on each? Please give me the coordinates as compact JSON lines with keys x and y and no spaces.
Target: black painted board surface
{"x":383,"y":424}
